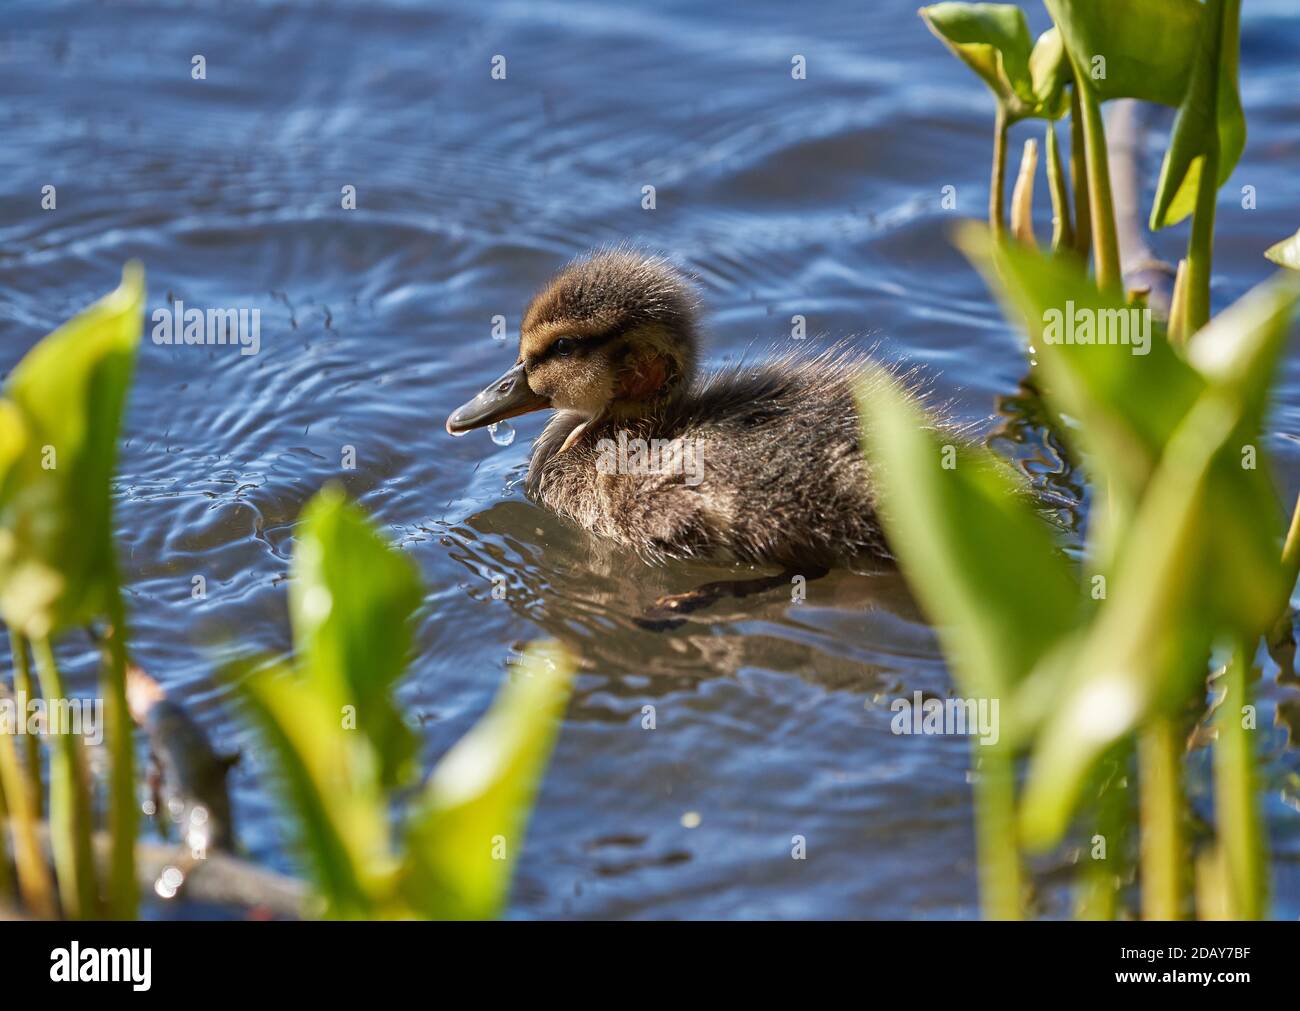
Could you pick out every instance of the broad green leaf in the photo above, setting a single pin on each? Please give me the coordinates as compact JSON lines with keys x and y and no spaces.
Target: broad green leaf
{"x":1210,"y":118}
{"x":1107,"y":388}
{"x":351,"y":601}
{"x":468,"y":829}
{"x":1126,"y":49}
{"x":993,"y":40}
{"x":1237,"y":353}
{"x":1049,"y":73}
{"x":340,"y":743}
{"x":983,"y":565}
{"x":56,"y":551}
{"x":13,"y":442}
{"x":1143,"y":648}
{"x":1190,"y":571}
{"x":1286,"y":253}
{"x":329,"y":781}
{"x":1123,"y":428}
{"x":1246,"y":542}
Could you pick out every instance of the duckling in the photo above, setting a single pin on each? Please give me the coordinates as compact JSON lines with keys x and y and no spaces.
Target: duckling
{"x":758,"y":463}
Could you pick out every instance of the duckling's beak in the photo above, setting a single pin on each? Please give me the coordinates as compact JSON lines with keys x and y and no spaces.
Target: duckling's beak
{"x":508,"y":396}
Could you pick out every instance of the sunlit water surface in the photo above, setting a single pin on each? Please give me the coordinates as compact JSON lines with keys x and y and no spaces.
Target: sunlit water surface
{"x":816,"y":197}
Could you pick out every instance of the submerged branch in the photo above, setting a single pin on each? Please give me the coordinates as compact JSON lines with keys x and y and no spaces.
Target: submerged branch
{"x":220,"y":879}
{"x":1142,"y":270}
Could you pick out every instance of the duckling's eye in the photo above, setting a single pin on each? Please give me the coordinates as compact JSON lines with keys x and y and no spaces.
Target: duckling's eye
{"x":565,"y":346}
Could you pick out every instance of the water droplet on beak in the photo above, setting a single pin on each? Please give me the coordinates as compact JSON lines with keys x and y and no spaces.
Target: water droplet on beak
{"x":502,"y":432}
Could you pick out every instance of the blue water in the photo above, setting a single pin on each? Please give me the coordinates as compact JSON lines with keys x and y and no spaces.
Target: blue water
{"x":816,"y":197}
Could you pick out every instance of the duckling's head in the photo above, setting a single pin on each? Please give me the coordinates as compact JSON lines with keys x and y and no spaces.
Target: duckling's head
{"x":613,"y":335}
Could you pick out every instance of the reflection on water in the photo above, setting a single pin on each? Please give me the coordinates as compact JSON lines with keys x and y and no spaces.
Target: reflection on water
{"x":816,"y":198}
{"x":588,"y":602}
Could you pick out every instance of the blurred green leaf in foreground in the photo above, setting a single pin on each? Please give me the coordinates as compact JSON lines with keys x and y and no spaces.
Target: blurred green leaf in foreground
{"x":341,"y":745}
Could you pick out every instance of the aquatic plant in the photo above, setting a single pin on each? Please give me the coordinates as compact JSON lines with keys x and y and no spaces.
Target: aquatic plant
{"x":328,"y":717}
{"x":342,"y":748}
{"x":1027,"y":79}
{"x":1184,"y":559}
{"x":1208,"y":137}
{"x":1102,"y":50}
{"x":1286,"y":253}
{"x":59,"y":420}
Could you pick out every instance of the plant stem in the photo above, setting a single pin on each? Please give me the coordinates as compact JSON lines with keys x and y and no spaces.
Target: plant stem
{"x":1062,"y":231}
{"x":123,"y":896}
{"x":1105,"y":241}
{"x":33,"y":875}
{"x":6,"y":879}
{"x":70,"y":826}
{"x":1162,"y":847}
{"x":1099,"y":893}
{"x":997,"y":184}
{"x":23,"y":683}
{"x":1281,"y":630}
{"x":1291,"y":553}
{"x":995,"y":826}
{"x":1177,"y":325}
{"x":1022,"y":196}
{"x":1079,"y":179}
{"x":1235,"y":795}
{"x":1200,"y":249}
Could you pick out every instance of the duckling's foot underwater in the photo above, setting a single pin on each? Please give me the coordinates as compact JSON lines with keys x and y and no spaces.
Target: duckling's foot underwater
{"x":760,"y":463}
{"x":667,"y":612}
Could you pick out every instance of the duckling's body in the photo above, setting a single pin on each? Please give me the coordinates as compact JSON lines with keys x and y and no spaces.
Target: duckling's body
{"x":770,"y":469}
{"x":761,"y":463}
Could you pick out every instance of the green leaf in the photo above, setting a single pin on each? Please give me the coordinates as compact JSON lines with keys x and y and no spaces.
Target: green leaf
{"x":330,"y":784}
{"x":984,"y":566}
{"x":13,"y":443}
{"x":1128,"y":49}
{"x":1210,"y":119}
{"x":1106,"y":391}
{"x":1246,"y":543}
{"x":1049,"y":73}
{"x":331,"y":723}
{"x":1286,"y":253}
{"x":1193,"y":566}
{"x":1141,"y":648}
{"x":993,"y":40}
{"x":1105,"y":388}
{"x":351,"y":601}
{"x":1238,"y":350}
{"x":1237,"y":353}
{"x":56,"y":552}
{"x":468,"y":830}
